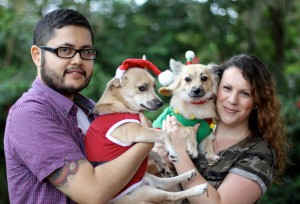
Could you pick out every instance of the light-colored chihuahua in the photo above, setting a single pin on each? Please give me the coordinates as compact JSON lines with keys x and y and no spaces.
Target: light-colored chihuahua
{"x":121,"y":123}
{"x":193,"y":102}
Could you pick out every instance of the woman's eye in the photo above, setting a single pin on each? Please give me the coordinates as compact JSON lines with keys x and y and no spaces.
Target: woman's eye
{"x":226,"y":87}
{"x":245,"y":94}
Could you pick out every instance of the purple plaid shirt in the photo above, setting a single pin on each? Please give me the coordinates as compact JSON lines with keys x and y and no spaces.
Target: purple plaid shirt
{"x":41,"y":134}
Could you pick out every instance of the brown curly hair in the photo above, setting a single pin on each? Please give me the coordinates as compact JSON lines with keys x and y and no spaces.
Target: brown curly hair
{"x":265,"y":120}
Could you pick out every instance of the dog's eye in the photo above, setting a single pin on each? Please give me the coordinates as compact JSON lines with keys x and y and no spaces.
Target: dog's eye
{"x":204,"y":78}
{"x":187,"y":79}
{"x":142,"y":88}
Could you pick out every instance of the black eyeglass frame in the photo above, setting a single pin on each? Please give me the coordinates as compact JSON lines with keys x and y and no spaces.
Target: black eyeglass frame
{"x":55,"y":50}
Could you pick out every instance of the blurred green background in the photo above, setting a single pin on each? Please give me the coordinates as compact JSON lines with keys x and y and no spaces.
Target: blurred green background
{"x":162,"y":29}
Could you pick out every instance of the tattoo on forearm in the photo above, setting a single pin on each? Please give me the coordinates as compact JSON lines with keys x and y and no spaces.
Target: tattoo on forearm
{"x":61,"y":176}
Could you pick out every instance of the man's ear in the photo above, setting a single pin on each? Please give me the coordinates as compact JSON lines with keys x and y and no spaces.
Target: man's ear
{"x":36,"y":55}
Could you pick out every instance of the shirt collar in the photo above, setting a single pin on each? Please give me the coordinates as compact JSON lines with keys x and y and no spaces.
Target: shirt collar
{"x":53,"y":96}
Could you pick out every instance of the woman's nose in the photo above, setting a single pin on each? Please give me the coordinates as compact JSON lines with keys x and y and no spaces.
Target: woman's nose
{"x":233,"y":98}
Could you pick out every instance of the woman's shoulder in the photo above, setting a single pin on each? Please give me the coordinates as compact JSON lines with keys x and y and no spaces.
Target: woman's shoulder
{"x":257,"y":144}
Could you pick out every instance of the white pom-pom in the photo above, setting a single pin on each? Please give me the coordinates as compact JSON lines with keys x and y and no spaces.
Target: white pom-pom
{"x":120,"y":73}
{"x":166,"y":78}
{"x":189,"y":55}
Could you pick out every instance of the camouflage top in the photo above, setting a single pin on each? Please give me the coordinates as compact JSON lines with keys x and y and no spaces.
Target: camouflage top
{"x":251,"y":158}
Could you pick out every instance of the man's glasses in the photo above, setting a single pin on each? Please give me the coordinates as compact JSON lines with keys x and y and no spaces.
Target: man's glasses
{"x":68,"y":52}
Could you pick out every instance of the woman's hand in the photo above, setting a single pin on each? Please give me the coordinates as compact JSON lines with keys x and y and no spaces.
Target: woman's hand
{"x":176,"y":132}
{"x":179,"y":134}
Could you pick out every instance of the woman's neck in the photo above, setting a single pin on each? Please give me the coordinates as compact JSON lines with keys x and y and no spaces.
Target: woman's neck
{"x":236,"y":132}
{"x":227,"y":136}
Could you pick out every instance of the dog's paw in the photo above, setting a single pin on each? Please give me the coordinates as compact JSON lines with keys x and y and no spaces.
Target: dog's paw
{"x":212,"y":158}
{"x":165,"y":171}
{"x":191,"y":175}
{"x":200,"y":189}
{"x":193,"y":154}
{"x":173,"y":157}
{"x":167,"y":174}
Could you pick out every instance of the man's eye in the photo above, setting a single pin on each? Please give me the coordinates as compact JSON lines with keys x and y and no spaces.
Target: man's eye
{"x":65,"y":50}
{"x":86,"y":52}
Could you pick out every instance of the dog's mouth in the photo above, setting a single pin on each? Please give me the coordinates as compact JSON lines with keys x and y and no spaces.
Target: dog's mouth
{"x":196,"y":95}
{"x":200,"y":99}
{"x":152,"y":105}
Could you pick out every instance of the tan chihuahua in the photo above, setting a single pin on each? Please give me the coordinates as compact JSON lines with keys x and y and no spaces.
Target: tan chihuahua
{"x":193,"y":102}
{"x":121,"y":123}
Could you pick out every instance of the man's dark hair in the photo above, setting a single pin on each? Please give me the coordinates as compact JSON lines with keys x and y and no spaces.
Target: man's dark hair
{"x":44,"y":30}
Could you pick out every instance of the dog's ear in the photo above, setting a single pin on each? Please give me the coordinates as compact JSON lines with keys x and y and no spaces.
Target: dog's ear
{"x":176,"y":67}
{"x":215,"y":69}
{"x":165,"y":91}
{"x":116,"y":82}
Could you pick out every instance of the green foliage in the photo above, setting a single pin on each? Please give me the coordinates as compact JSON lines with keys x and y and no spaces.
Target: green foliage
{"x":292,"y":75}
{"x":285,"y":193}
{"x":291,"y":112}
{"x":13,"y":84}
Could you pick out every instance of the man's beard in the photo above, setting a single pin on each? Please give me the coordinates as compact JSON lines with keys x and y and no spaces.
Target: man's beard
{"x":56,"y":82}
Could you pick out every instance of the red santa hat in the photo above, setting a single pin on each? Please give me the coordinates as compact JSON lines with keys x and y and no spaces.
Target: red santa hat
{"x":163,"y":77}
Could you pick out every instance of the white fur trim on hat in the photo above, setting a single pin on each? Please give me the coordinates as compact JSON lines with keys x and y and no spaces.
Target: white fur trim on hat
{"x":120,"y":73}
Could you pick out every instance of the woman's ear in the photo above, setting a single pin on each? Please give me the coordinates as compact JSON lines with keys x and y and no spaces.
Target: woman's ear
{"x":36,"y":55}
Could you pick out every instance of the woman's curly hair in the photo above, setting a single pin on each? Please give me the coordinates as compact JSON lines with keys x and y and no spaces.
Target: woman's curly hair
{"x":265,"y":120}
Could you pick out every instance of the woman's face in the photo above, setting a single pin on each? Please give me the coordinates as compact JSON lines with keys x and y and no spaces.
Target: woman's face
{"x":234,"y":99}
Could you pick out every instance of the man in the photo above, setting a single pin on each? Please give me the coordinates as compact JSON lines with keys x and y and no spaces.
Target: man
{"x":43,"y":140}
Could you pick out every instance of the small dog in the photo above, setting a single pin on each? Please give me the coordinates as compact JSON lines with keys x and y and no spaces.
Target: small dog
{"x":121,"y":123}
{"x":193,"y":101}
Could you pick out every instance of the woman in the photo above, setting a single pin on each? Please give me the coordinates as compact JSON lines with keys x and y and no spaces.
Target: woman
{"x":250,"y":136}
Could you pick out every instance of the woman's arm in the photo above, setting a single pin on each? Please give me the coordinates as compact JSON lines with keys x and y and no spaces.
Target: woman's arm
{"x":234,"y":188}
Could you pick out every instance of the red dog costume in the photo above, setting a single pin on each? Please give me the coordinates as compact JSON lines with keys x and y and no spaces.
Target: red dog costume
{"x":100,"y":146}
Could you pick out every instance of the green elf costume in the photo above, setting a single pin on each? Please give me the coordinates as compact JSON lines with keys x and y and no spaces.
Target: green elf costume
{"x":206,"y":125}
{"x":204,"y":130}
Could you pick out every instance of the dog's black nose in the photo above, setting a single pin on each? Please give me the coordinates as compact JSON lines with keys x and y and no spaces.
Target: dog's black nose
{"x":158,"y":103}
{"x":197,"y":92}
